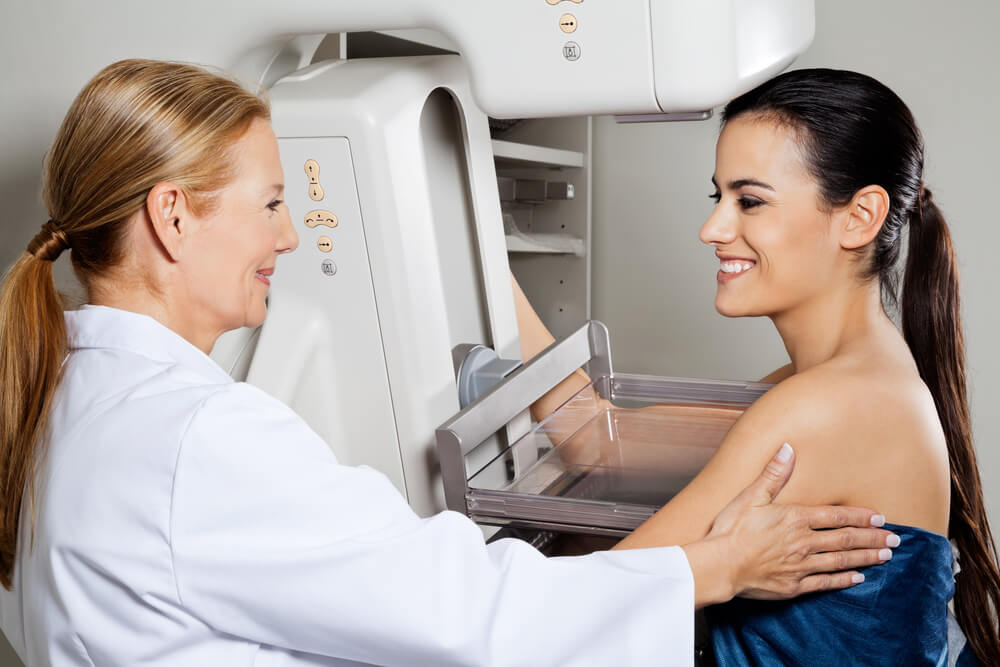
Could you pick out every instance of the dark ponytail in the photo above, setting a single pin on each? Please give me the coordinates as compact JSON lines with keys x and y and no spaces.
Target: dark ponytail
{"x":930,"y":312}
{"x":855,"y":132}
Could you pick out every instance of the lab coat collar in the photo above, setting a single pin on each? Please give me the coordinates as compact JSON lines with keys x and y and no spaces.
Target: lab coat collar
{"x":101,"y":327}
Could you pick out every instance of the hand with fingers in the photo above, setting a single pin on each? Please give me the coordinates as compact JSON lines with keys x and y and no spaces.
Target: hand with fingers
{"x":764,"y":550}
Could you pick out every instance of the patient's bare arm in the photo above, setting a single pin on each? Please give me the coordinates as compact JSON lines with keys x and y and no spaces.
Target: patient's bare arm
{"x":535,"y":337}
{"x":769,"y":551}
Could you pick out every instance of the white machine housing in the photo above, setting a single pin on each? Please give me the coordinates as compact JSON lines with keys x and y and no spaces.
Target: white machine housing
{"x":365,"y":354}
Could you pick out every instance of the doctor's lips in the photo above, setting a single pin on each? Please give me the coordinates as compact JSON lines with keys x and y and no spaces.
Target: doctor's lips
{"x":263,"y":274}
{"x":733,"y":267}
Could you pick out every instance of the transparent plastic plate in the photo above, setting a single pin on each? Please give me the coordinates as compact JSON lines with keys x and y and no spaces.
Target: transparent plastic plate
{"x":610,"y":456}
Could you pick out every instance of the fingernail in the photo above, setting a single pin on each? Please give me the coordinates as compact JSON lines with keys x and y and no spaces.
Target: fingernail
{"x":884,"y":554}
{"x":892,"y":541}
{"x":784,"y":453}
{"x":878,"y":520}
{"x":857,"y":578}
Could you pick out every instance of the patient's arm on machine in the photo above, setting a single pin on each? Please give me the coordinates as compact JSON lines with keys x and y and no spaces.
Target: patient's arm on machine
{"x":588,"y":445}
{"x":787,"y":413}
{"x":535,"y":337}
{"x":860,"y":440}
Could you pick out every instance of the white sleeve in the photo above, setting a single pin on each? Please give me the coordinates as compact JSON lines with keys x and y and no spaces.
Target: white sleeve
{"x":276,"y":542}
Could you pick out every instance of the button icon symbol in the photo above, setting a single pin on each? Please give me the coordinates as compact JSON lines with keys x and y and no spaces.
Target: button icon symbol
{"x":571,"y":51}
{"x":567,"y":23}
{"x":329,"y":268}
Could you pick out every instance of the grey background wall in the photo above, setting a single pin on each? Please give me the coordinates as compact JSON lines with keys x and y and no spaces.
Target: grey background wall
{"x":654,"y":282}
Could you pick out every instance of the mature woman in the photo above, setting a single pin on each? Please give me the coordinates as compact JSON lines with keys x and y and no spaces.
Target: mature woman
{"x":156,"y":512}
{"x":818,"y":174}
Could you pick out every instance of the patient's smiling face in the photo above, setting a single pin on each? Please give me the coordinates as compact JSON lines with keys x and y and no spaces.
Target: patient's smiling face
{"x":775,"y":244}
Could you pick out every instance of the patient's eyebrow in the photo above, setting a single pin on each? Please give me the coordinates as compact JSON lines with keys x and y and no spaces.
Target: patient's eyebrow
{"x":743,"y":182}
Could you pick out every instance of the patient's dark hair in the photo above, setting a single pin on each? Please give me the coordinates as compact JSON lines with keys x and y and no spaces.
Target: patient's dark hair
{"x":855,"y":132}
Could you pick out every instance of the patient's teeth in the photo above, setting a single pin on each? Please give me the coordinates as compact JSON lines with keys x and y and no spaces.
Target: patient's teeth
{"x":736,"y":267}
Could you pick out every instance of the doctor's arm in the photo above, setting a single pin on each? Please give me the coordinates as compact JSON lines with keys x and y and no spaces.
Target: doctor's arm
{"x":273,"y":541}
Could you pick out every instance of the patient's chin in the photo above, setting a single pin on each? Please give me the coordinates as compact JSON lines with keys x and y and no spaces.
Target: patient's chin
{"x":728,"y":309}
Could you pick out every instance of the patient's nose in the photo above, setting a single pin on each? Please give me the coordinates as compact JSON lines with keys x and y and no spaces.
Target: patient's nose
{"x":719,"y":229}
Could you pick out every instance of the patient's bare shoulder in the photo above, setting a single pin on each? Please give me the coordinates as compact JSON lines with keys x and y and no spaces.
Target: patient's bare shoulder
{"x":865,"y":432}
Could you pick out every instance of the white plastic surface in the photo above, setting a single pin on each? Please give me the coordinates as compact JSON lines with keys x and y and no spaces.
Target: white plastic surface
{"x":365,"y":355}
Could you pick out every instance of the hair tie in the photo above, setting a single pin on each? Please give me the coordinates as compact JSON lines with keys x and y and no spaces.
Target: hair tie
{"x":925,"y":198}
{"x":49,"y":243}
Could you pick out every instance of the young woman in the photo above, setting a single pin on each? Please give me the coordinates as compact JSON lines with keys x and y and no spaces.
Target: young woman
{"x":818,"y":181}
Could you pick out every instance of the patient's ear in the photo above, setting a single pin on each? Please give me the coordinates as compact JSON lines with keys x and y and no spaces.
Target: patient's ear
{"x":863,"y":217}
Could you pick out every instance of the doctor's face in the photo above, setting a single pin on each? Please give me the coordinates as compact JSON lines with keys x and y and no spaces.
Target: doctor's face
{"x":773,"y":241}
{"x":241,"y":239}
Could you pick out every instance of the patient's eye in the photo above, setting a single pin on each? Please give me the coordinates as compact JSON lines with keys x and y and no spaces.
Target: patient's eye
{"x":715,"y":196}
{"x":275,"y":204}
{"x":747,"y":203}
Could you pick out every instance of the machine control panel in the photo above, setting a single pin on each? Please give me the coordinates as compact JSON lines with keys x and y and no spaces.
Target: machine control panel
{"x":320,"y":217}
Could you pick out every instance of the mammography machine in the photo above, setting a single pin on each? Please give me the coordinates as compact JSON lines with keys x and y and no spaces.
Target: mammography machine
{"x":390,"y":181}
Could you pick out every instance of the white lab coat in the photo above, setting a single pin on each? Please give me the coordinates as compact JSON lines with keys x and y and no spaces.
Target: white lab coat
{"x":186,"y":519}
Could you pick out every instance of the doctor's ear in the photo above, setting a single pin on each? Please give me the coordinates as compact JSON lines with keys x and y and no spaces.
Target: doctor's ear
{"x":863,"y":217}
{"x":168,"y":213}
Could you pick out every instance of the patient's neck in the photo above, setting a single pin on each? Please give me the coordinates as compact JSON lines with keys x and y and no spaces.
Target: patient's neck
{"x":831,"y":323}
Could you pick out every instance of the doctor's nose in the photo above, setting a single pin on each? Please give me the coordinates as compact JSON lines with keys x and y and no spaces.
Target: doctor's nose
{"x":288,"y":238}
{"x":719,"y":229}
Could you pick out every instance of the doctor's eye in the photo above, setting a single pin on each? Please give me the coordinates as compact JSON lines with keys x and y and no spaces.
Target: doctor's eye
{"x":275,"y":204}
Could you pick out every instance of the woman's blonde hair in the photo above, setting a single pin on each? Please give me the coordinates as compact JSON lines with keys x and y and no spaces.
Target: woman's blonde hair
{"x":134,"y":125}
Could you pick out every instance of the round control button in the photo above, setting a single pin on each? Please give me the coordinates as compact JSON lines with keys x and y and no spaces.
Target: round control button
{"x":329,"y":268}
{"x":571,"y":51}
{"x":567,"y":23}
{"x":324,"y":243}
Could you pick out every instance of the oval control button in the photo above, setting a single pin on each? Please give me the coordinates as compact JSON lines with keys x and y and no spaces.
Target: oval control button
{"x":312,"y":170}
{"x":319,"y":217}
{"x":324,"y":243}
{"x":316,"y":192}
